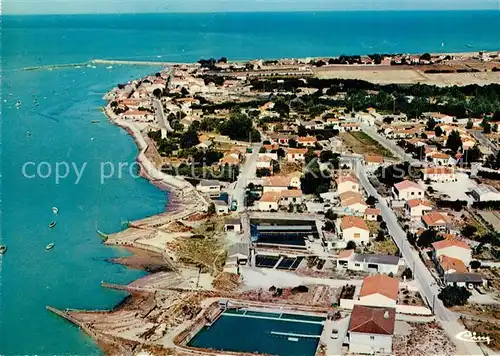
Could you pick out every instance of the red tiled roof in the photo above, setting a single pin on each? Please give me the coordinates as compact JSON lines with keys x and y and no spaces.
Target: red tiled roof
{"x":345,"y":254}
{"x":449,"y":263}
{"x":449,"y":243}
{"x":380,"y":284}
{"x":406,"y":184}
{"x":272,"y":197}
{"x":372,"y":320}
{"x":348,"y":222}
{"x":438,"y":170}
{"x":276,"y":181}
{"x":297,"y":151}
{"x":291,"y":193}
{"x":374,"y":159}
{"x":434,"y":218}
{"x":413,"y":203}
{"x":372,"y":211}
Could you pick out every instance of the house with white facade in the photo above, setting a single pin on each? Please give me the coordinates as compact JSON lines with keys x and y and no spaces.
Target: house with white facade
{"x":371,"y":330}
{"x":440,"y":159}
{"x":379,"y":290}
{"x":221,"y":207}
{"x":269,"y":201}
{"x":275,"y":184}
{"x":415,"y":208}
{"x":296,"y":154}
{"x":233,"y":224}
{"x":407,"y":190}
{"x":440,"y":174}
{"x":372,"y":214}
{"x":435,"y":220}
{"x":292,"y":196}
{"x":352,"y":228}
{"x":371,"y":263}
{"x":210,"y":187}
{"x":347,"y":184}
{"x":353,"y":203}
{"x":452,"y":248}
{"x":307,"y":141}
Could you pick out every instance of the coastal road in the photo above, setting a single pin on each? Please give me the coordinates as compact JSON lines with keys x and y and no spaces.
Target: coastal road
{"x":424,"y":279}
{"x":397,"y":151}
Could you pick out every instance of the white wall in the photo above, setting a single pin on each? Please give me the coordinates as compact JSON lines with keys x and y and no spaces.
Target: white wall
{"x":348,"y":235}
{"x":369,"y":343}
{"x":455,"y":252}
{"x":377,"y":300}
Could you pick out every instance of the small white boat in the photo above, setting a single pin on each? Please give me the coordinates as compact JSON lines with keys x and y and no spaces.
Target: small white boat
{"x":3,"y":249}
{"x":109,"y":67}
{"x":28,"y":134}
{"x":18,"y":104}
{"x":55,"y":210}
{"x":50,"y":246}
{"x":52,"y":224}
{"x":91,"y":139}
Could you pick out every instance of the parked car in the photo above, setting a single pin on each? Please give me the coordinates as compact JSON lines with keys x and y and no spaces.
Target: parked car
{"x":335,"y":334}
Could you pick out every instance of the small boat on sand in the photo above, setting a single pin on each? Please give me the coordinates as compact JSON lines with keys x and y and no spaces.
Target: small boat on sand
{"x":50,"y":246}
{"x":52,"y":224}
{"x":3,"y":249}
{"x":55,"y":210}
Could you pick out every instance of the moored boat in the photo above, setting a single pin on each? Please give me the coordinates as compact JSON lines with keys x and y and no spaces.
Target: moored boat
{"x":3,"y":249}
{"x":50,"y":246}
{"x":52,"y":224}
{"x":55,"y":210}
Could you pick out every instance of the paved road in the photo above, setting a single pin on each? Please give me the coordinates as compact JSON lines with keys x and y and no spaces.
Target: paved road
{"x":162,"y":121}
{"x":247,"y":172}
{"x":426,"y":283}
{"x":483,"y":140}
{"x":397,"y":151}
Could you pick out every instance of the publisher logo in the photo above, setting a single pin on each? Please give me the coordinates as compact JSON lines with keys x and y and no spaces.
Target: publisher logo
{"x":468,"y":336}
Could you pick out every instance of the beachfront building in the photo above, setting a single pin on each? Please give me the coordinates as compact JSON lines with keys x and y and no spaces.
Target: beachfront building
{"x":352,"y":228}
{"x":407,"y":190}
{"x":371,"y":330}
{"x":210,"y":187}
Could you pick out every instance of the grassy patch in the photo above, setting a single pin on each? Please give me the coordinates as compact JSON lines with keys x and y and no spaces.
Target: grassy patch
{"x":361,"y":143}
{"x":386,"y":247}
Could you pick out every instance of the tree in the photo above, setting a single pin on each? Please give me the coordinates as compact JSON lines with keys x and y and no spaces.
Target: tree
{"x":425,"y":57}
{"x":211,"y":209}
{"x":495,"y":128}
{"x":326,"y":156}
{"x":189,"y":139}
{"x":427,"y":238}
{"x":292,"y":143}
{"x":383,"y":225}
{"x":351,"y":245}
{"x":407,"y":273}
{"x":309,"y":156}
{"x":371,"y":200}
{"x":453,"y":295}
{"x":431,"y":125}
{"x":157,"y":93}
{"x":263,"y":172}
{"x":486,"y":126}
{"x":438,"y":131}
{"x":469,"y":230}
{"x":301,"y":131}
{"x":454,"y":142}
{"x":281,"y":153}
{"x":469,"y":124}
{"x":329,"y":225}
{"x":380,"y":236}
{"x":472,"y":155}
{"x":475,"y":264}
{"x":331,"y":215}
{"x":262,"y":150}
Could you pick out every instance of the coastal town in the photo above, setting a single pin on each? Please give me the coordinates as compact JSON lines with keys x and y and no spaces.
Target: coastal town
{"x":313,"y":209}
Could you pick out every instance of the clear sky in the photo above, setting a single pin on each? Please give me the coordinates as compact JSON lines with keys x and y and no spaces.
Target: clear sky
{"x":131,"y":6}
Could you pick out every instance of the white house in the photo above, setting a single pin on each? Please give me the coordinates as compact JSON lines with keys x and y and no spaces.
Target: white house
{"x":295,"y":179}
{"x":407,"y":190}
{"x":415,"y":208}
{"x":352,"y":228}
{"x":370,"y":263}
{"x":221,"y":207}
{"x":138,"y":115}
{"x":379,"y":291}
{"x":210,"y":187}
{"x":371,"y":330}
{"x":275,"y":184}
{"x":296,"y":154}
{"x":347,"y":184}
{"x":457,"y":249}
{"x":484,"y":192}
{"x":264,"y":162}
{"x":292,"y":196}
{"x":269,"y":201}
{"x":440,"y":159}
{"x":233,"y":224}
{"x":435,"y":220}
{"x":371,"y":214}
{"x":307,"y":141}
{"x":353,"y":202}
{"x":440,"y":174}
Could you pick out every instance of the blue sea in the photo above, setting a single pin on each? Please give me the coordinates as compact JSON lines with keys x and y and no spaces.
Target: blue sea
{"x":61,"y":132}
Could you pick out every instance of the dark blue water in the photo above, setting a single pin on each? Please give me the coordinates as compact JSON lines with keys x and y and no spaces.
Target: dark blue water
{"x":70,"y":274}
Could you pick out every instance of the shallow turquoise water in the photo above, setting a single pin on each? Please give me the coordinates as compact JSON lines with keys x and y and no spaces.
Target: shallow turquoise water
{"x":70,"y":274}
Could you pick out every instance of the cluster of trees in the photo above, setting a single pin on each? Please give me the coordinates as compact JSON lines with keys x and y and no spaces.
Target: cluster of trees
{"x":427,"y":238}
{"x":393,"y":174}
{"x":316,"y":181}
{"x":227,"y":173}
{"x":493,"y":162}
{"x":456,"y":205}
{"x":489,"y":205}
{"x":453,"y":295}
{"x":239,"y":127}
{"x":210,"y":63}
